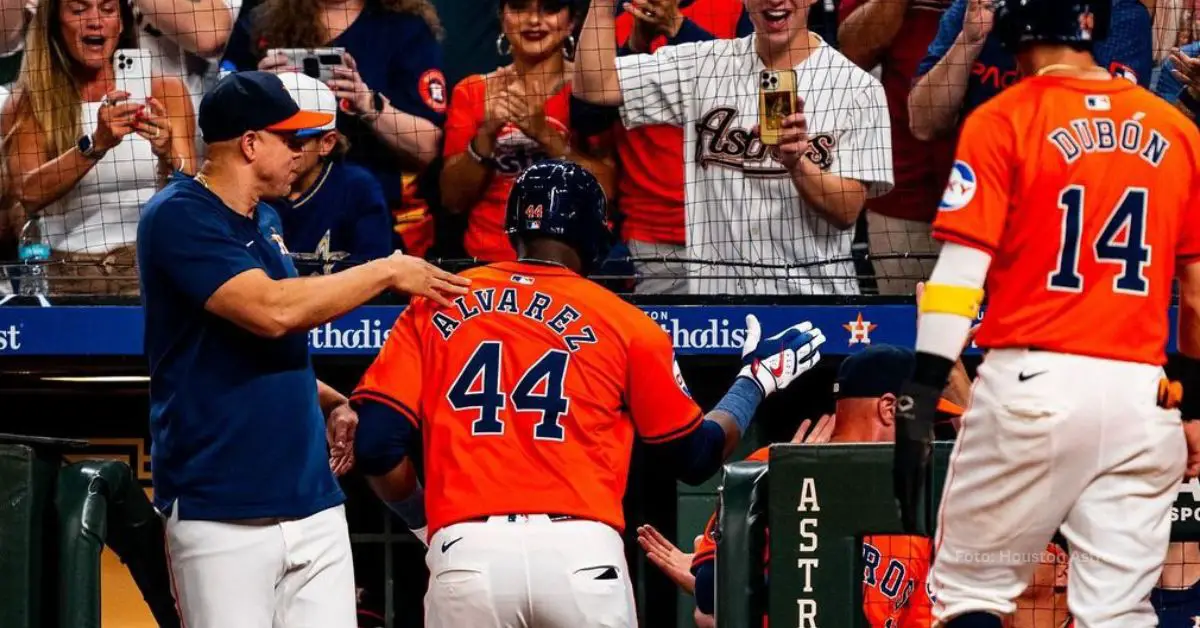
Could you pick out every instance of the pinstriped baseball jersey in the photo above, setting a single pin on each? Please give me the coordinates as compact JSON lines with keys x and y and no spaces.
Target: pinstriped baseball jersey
{"x":741,"y":204}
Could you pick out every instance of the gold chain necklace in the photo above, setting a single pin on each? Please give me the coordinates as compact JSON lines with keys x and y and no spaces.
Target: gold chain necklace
{"x":203,"y":180}
{"x":1060,"y":67}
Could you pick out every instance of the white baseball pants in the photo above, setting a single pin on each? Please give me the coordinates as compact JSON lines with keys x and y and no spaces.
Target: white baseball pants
{"x":1056,"y":440}
{"x":528,"y":571}
{"x":263,"y":573}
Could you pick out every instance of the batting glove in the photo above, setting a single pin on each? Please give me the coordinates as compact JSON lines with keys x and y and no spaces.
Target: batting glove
{"x":916,"y":408}
{"x":777,"y":361}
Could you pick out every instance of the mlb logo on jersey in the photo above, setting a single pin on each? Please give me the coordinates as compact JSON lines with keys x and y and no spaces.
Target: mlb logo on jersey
{"x":960,"y":189}
{"x":522,"y":279}
{"x":1097,"y":102}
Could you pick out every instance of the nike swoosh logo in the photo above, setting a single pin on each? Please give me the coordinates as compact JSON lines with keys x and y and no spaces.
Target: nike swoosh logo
{"x":777,"y":371}
{"x":448,"y":544}
{"x":250,"y":243}
{"x":1023,"y":377}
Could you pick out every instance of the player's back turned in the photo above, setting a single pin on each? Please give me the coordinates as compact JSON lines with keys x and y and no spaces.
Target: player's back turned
{"x":527,"y":393}
{"x":571,"y":358}
{"x":1099,"y":175}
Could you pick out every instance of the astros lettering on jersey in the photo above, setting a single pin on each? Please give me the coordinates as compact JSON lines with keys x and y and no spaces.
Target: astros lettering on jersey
{"x":741,"y":203}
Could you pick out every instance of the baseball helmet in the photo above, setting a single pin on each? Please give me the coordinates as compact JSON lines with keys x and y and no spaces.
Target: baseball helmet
{"x":560,"y":200}
{"x":1075,"y":22}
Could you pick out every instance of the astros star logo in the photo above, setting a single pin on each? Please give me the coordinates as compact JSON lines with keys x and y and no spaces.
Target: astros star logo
{"x":860,"y":330}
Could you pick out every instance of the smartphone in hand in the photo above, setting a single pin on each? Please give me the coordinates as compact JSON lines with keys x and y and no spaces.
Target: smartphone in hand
{"x":776,"y":101}
{"x":315,"y":62}
{"x":132,"y":69}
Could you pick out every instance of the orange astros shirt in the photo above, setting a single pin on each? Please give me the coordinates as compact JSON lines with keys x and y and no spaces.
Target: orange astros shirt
{"x":1083,"y":192}
{"x":485,"y":238}
{"x":528,"y":394}
{"x":894,"y":574}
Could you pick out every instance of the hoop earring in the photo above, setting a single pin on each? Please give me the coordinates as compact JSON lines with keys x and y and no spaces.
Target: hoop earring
{"x":503,"y":46}
{"x":569,"y":47}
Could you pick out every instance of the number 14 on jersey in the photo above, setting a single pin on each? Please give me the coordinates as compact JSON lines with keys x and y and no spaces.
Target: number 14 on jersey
{"x":1132,"y":255}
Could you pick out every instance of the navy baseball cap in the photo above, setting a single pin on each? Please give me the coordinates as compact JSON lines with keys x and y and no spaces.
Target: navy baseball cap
{"x":254,"y":101}
{"x":877,"y":371}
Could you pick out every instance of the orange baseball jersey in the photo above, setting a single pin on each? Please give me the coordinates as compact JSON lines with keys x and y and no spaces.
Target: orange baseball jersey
{"x":894,"y":577}
{"x":895,"y":569}
{"x":514,"y":152}
{"x":528,"y":394}
{"x":1083,"y":192}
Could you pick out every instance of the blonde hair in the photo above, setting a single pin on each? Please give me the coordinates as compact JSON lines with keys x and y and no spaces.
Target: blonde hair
{"x":50,"y":94}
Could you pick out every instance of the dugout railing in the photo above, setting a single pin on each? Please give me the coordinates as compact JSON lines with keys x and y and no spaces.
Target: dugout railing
{"x":817,"y":502}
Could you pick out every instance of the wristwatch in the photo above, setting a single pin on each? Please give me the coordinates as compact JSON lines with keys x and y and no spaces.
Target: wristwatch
{"x":377,"y":103}
{"x":490,"y":162}
{"x":87,"y":147}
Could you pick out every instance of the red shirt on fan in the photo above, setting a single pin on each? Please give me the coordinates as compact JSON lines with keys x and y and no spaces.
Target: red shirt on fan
{"x":920,"y":168}
{"x":485,"y":238}
{"x":650,"y":185}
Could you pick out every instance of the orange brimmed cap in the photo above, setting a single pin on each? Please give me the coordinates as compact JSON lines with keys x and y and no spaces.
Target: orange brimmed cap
{"x":253,"y":101}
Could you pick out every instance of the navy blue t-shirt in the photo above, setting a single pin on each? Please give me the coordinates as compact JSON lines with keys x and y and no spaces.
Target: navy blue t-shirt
{"x":343,"y":217}
{"x":1127,"y":50}
{"x":397,"y":54}
{"x":235,"y":426}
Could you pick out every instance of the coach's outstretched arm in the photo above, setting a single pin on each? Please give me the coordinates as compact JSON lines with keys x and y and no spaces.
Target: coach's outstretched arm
{"x":273,"y":308}
{"x":769,"y":365}
{"x":596,"y":80}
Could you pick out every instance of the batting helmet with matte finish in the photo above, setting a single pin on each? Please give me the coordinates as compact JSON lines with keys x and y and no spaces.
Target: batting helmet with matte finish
{"x":561,"y":200}
{"x":1075,"y":22}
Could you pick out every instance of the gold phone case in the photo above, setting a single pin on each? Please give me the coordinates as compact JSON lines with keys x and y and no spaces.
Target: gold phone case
{"x":776,"y":101}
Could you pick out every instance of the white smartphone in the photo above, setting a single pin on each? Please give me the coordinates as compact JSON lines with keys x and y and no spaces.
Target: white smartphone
{"x":132,"y":68}
{"x":315,"y":62}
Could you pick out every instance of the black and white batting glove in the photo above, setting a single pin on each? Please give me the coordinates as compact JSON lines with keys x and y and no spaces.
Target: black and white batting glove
{"x":916,"y":409}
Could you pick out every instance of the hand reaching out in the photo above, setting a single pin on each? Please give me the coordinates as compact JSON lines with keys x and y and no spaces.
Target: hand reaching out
{"x":415,"y":276}
{"x":819,"y":434}
{"x":670,"y":559}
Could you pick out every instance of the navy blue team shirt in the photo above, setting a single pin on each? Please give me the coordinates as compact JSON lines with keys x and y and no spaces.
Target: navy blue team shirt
{"x":1128,"y":49}
{"x":342,"y":218}
{"x":235,"y":426}
{"x":397,"y":55}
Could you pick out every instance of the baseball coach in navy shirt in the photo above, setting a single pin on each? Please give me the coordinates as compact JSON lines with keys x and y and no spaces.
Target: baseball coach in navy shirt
{"x":245,"y":441}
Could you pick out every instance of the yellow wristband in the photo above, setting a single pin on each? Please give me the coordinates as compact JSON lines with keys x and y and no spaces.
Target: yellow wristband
{"x":958,"y":300}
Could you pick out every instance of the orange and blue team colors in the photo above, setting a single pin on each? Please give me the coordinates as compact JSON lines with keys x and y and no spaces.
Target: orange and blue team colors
{"x":528,"y":394}
{"x":1084,"y":193}
{"x":894,"y":572}
{"x":485,"y":238}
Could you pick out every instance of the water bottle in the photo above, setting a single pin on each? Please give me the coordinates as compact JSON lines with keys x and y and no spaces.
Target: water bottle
{"x":33,"y":252}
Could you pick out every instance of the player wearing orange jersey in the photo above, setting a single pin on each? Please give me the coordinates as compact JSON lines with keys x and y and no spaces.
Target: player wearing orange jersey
{"x":894,"y":592}
{"x":1072,"y":195}
{"x":527,"y":395}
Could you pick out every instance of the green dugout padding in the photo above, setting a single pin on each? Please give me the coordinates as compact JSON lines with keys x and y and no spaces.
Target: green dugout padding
{"x":821,"y":501}
{"x":55,"y":520}
{"x":26,"y":489}
{"x":100,"y":503}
